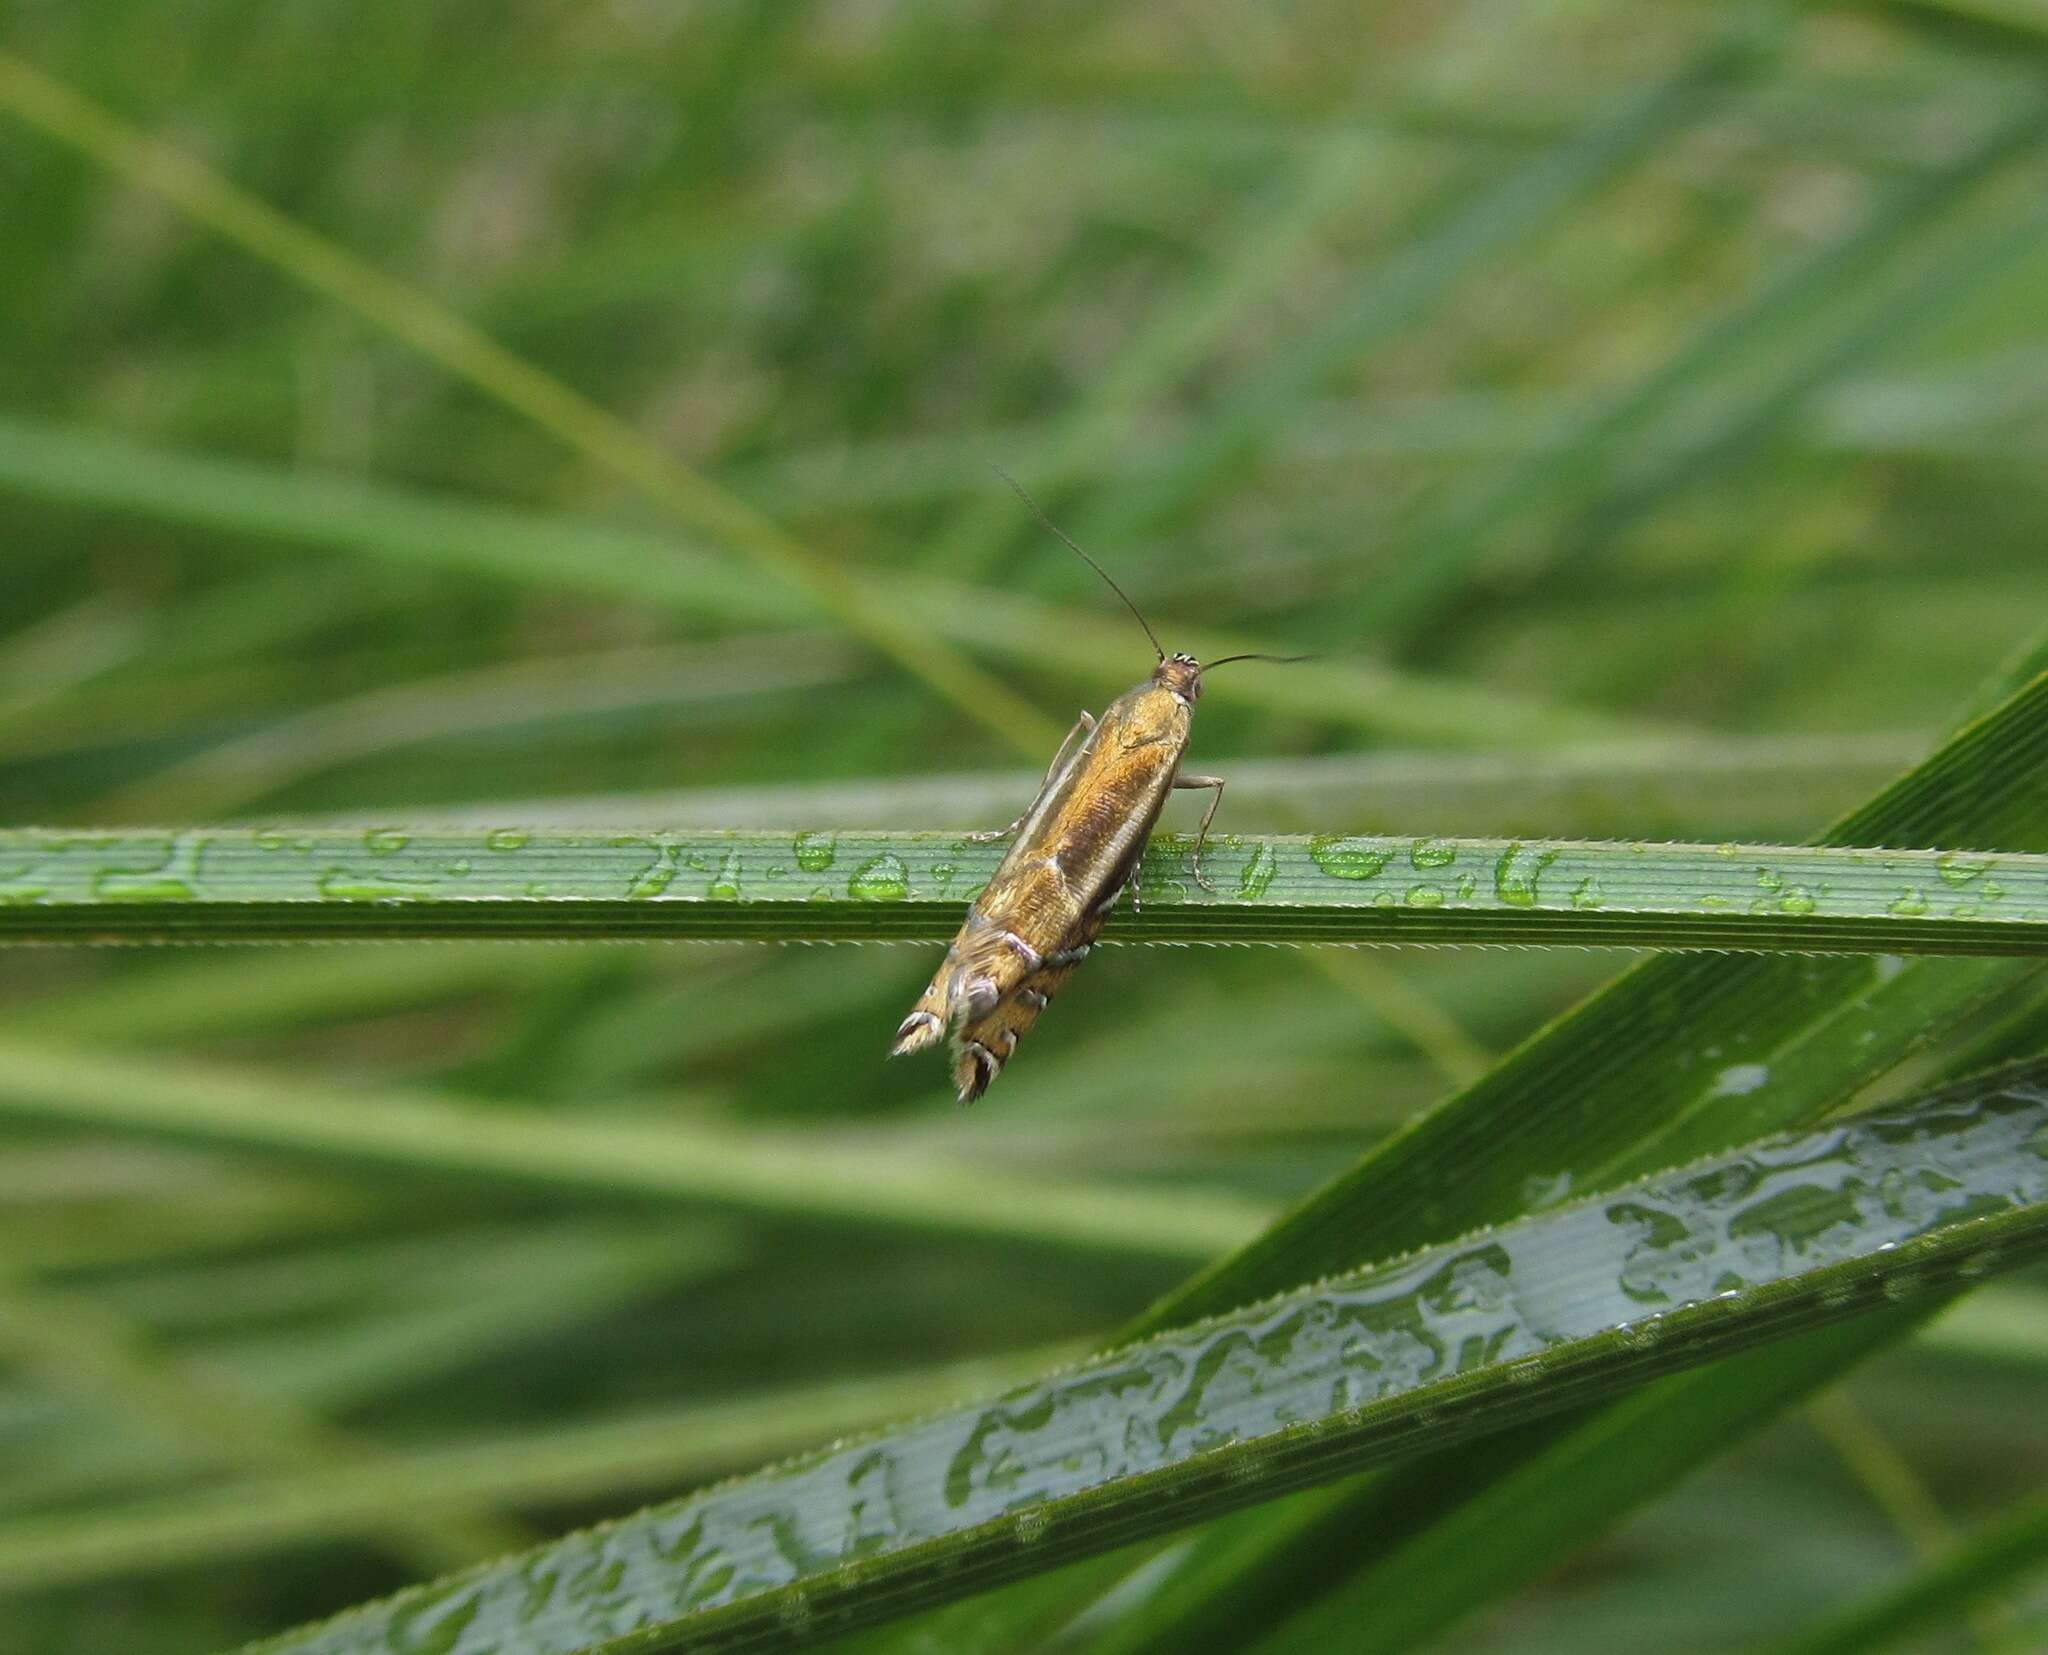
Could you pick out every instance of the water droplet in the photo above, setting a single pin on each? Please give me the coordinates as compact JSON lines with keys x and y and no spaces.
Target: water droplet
{"x":385,"y":841}
{"x":1257,"y":874}
{"x":815,"y":851}
{"x":1432,"y":853}
{"x":657,"y":876}
{"x":269,"y":839}
{"x":1738,"y":1080}
{"x":1982,"y":1263}
{"x":1348,"y":858}
{"x":881,"y":878}
{"x":1769,"y":878}
{"x":175,"y":879}
{"x":943,"y":872}
{"x":1796,"y":899}
{"x":1516,"y":874}
{"x":1958,"y":870}
{"x":1425,"y":896}
{"x":345,"y":885}
{"x":1910,"y":903}
{"x":726,"y":887}
{"x":18,"y":887}
{"x":1586,"y":894}
{"x":507,"y":838}
{"x":459,"y":870}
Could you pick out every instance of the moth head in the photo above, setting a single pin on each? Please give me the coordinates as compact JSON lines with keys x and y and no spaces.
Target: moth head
{"x":1181,"y":674}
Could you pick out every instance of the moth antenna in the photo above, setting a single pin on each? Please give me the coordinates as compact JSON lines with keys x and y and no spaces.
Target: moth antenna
{"x":1051,"y":527}
{"x":1284,"y":660}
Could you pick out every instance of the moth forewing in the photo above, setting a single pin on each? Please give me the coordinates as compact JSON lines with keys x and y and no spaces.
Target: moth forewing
{"x":1075,"y":850}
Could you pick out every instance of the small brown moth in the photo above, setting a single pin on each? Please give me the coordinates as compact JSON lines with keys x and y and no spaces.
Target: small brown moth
{"x":1077,"y":846}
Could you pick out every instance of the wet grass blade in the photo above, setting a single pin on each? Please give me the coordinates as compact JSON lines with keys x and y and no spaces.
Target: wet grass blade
{"x":257,"y":1516}
{"x":1678,"y":1057}
{"x":1493,"y":1330}
{"x":237,"y":884}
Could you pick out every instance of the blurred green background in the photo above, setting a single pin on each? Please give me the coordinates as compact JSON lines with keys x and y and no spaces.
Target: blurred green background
{"x":1656,"y":396}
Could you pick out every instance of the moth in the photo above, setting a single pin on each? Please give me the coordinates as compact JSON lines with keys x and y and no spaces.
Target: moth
{"x":1077,"y":848}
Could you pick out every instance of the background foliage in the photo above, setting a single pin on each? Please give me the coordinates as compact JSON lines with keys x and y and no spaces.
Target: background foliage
{"x":1641,"y":411}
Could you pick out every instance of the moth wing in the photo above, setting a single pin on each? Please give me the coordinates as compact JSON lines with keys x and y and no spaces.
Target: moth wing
{"x":986,"y":1043}
{"x":985,"y":966}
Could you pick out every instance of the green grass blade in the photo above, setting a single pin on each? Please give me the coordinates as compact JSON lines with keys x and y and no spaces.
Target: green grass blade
{"x":417,"y":529}
{"x":234,"y":884}
{"x":801,"y":1174}
{"x":1995,"y":1558}
{"x":1930,"y":300}
{"x":1678,"y":1057}
{"x":1767,"y":789}
{"x":443,"y":337}
{"x":1439,"y":559}
{"x":1422,"y":271}
{"x":1491,"y":1331}
{"x":252,"y":1517}
{"x":74,"y":1345}
{"x":1467,"y":1162}
{"x":1256,"y":257}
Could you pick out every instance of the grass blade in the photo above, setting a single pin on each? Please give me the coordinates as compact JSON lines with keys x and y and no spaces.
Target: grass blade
{"x":801,"y":1174}
{"x":1678,"y":1057}
{"x":415,"y":529}
{"x":1996,"y":1557}
{"x":1493,"y":1330}
{"x":234,"y":884}
{"x":438,"y":334}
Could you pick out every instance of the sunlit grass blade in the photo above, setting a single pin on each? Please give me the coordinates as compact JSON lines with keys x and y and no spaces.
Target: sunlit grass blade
{"x":238,"y":884}
{"x":1496,"y":1329}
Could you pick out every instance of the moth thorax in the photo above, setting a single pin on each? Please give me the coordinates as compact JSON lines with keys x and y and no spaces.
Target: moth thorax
{"x":1182,"y":674}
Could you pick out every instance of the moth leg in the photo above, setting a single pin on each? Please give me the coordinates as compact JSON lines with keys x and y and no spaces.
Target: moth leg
{"x":1085,"y":723}
{"x":1202,"y":833}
